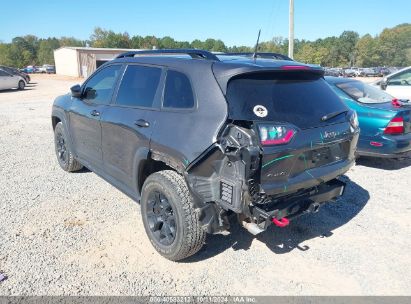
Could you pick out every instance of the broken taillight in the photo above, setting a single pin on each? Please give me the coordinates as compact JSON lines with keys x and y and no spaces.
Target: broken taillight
{"x":275,"y":135}
{"x":395,"y":126}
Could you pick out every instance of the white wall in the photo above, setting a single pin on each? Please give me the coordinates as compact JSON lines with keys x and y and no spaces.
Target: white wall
{"x":66,"y":62}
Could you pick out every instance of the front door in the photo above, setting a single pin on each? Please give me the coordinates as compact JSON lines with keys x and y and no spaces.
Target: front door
{"x":85,"y":114}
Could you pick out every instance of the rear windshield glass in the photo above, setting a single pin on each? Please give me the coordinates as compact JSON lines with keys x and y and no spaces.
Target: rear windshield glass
{"x":364,"y":93}
{"x":301,"y":99}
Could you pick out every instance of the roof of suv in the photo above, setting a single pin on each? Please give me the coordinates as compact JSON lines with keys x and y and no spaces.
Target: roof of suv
{"x":193,"y":57}
{"x":224,"y":66}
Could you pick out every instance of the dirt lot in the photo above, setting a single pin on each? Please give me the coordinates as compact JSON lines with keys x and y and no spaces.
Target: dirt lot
{"x":74,"y":234}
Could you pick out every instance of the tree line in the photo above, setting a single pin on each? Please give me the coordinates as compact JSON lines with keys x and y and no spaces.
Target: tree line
{"x":392,"y":47}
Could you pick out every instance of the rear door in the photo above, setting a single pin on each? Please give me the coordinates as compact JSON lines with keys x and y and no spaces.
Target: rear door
{"x":127,"y":124}
{"x":85,"y":114}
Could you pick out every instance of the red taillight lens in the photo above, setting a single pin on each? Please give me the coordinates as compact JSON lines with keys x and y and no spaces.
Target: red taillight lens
{"x":275,"y":135}
{"x":395,"y":126}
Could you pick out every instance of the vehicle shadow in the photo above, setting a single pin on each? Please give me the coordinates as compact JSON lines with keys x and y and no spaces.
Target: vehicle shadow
{"x":384,"y":163}
{"x":82,"y":170}
{"x":284,"y":240}
{"x":16,"y":90}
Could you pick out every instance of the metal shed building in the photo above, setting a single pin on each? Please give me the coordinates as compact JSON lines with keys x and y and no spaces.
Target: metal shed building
{"x":82,"y":61}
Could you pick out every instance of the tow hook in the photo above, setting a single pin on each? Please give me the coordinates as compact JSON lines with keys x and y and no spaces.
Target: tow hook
{"x":281,"y":223}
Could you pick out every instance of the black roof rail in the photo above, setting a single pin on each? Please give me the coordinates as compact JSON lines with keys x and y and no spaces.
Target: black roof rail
{"x":260,"y":55}
{"x":193,"y":53}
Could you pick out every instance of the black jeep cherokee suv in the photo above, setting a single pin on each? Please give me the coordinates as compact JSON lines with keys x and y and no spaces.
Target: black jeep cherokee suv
{"x":195,"y":138}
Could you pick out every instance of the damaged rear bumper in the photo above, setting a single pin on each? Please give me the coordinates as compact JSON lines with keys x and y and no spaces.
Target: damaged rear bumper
{"x":308,"y":178}
{"x":228,"y":178}
{"x":290,"y":208}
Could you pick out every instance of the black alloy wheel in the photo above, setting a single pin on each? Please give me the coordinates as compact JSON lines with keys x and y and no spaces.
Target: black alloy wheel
{"x":161,"y":218}
{"x":61,"y":148}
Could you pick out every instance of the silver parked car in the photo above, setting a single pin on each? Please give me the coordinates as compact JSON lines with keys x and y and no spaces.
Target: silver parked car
{"x":10,"y":81}
{"x":398,"y":84}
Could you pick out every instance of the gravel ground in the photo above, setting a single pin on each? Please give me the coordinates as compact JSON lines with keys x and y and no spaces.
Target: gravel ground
{"x":74,"y":234}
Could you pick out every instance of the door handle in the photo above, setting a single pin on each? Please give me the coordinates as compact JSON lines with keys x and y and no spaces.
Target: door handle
{"x":142,"y":123}
{"x":95,"y":113}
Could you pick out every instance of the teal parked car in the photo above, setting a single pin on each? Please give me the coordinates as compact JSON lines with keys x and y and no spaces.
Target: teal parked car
{"x":385,"y":122}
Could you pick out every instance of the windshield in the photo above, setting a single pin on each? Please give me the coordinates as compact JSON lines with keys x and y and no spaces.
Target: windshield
{"x":298,"y":98}
{"x":364,"y":93}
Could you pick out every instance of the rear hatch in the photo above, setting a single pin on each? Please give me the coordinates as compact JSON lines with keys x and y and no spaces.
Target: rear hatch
{"x":303,"y":127}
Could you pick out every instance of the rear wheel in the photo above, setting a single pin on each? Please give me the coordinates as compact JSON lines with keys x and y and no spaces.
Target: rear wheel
{"x":64,"y":155}
{"x":21,"y":85}
{"x":169,"y":217}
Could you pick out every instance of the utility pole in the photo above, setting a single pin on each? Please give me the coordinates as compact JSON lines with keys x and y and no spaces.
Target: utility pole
{"x":291,"y":31}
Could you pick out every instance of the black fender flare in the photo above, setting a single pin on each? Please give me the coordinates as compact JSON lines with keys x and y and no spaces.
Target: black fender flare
{"x":61,"y":115}
{"x":169,"y":160}
{"x":142,"y":154}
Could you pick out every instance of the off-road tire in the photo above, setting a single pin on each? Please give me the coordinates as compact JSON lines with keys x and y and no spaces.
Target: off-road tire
{"x":21,"y":85}
{"x":189,"y":236}
{"x":69,"y":163}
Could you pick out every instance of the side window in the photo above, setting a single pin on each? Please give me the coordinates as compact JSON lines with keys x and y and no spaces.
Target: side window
{"x":138,"y":86}
{"x":178,"y":93}
{"x":2,"y":73}
{"x":100,"y":87}
{"x":401,"y":79}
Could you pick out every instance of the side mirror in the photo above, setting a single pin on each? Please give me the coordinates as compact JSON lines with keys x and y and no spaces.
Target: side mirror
{"x":76,"y":91}
{"x":383,"y":83}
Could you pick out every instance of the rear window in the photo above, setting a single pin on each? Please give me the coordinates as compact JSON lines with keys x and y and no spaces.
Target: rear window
{"x":364,"y":93}
{"x":178,"y":93}
{"x":301,"y":99}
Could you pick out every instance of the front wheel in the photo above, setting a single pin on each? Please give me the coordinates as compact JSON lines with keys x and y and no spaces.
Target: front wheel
{"x":169,"y":217}
{"x":64,"y":155}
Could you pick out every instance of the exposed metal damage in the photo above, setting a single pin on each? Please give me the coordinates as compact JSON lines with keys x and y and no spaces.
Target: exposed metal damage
{"x":226,"y":180}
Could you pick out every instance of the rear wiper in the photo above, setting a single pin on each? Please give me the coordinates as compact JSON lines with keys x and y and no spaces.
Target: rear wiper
{"x":332,"y":115}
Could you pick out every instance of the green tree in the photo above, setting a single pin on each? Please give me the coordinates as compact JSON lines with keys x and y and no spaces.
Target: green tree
{"x":137,"y":42}
{"x":108,"y":39}
{"x":367,"y":52}
{"x":150,"y":42}
{"x":393,"y":45}
{"x":71,"y":41}
{"x":346,"y":44}
{"x":197,"y":44}
{"x":5,"y":55}
{"x":167,"y":43}
{"x":45,"y":54}
{"x":219,"y":46}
